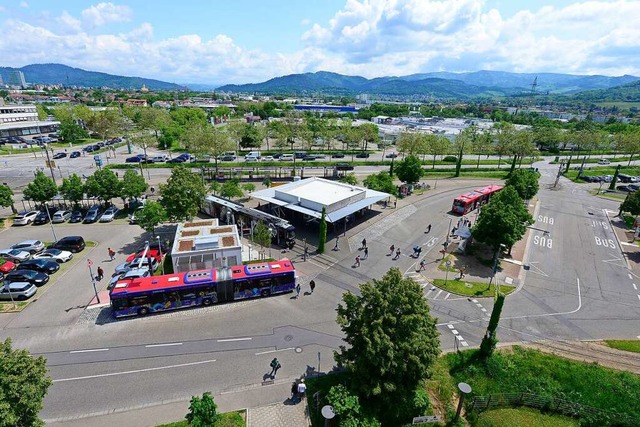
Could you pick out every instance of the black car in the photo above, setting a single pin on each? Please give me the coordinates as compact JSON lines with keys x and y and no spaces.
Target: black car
{"x":76,"y":216}
{"x":135,"y":159}
{"x":41,"y":265}
{"x":344,"y":167}
{"x":228,"y":158}
{"x":154,"y":246}
{"x":176,"y":160}
{"x":74,"y":154}
{"x":362,"y":155}
{"x":93,"y":214}
{"x":35,"y":277}
{"x":41,"y":218}
{"x":73,"y":244}
{"x":309,"y":157}
{"x":60,"y":155}
{"x":338,"y":155}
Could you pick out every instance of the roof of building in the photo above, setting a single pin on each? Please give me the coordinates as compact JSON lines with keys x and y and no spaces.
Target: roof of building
{"x":204,"y":235}
{"x":310,"y":195}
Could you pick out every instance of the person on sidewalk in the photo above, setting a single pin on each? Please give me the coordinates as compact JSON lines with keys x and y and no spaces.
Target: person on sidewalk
{"x":100,"y":273}
{"x":112,"y":254}
{"x":462,"y":269}
{"x":364,"y":243}
{"x":366,"y":253}
{"x":298,"y":291}
{"x":423,"y":263}
{"x":336,"y":248}
{"x":312,"y":285}
{"x":294,"y":391}
{"x":391,"y":249}
{"x":428,"y":228}
{"x":275,"y":365}
{"x":357,"y":263}
{"x":302,"y":389}
{"x":397,"y":254}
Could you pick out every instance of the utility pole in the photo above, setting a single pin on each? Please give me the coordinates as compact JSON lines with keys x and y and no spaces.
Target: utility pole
{"x":53,"y":176}
{"x":555,"y":184}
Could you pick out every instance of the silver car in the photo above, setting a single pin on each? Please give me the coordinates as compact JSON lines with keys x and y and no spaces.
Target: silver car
{"x":17,"y":290}
{"x":25,"y":217}
{"x":60,"y":216}
{"x":15,"y":255}
{"x":31,"y":246}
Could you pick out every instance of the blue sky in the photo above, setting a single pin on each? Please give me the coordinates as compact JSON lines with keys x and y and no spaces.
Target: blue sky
{"x":241,"y":41}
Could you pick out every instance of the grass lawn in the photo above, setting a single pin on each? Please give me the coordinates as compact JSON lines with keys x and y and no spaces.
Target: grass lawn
{"x":7,"y":306}
{"x":626,"y":345}
{"x":523,"y":417}
{"x":471,"y":289}
{"x":229,"y":419}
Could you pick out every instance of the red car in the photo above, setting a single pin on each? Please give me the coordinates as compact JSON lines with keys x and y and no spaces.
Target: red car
{"x":6,"y":266}
{"x":153,"y":253}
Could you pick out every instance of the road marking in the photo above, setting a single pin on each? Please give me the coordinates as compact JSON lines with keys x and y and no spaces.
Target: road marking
{"x":484,"y":310}
{"x":235,"y":339}
{"x":455,"y":332}
{"x":448,"y":295}
{"x":112,"y":374}
{"x":89,"y":351}
{"x":163,"y":345}
{"x":439,"y":292}
{"x":552,"y":314}
{"x":634,"y":286}
{"x":275,"y":351}
{"x":638,"y":296}
{"x":630,"y":277}
{"x":450,"y":326}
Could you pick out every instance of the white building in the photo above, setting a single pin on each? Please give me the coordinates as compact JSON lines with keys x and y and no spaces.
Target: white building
{"x":202,"y":244}
{"x":22,"y":120}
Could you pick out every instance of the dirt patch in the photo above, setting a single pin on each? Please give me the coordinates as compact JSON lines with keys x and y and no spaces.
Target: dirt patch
{"x":197,"y":224}
{"x":221,"y":230}
{"x":477,"y":261}
{"x":228,"y":241}
{"x":187,"y":233}
{"x":185,"y":245}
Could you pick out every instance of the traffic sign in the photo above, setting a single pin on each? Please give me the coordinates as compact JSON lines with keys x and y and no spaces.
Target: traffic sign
{"x":89,"y":263}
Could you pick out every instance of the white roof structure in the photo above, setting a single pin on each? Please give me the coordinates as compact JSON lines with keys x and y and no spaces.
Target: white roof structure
{"x":310,"y":195}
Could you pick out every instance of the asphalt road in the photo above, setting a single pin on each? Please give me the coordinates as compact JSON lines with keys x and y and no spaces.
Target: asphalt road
{"x":577,"y":286}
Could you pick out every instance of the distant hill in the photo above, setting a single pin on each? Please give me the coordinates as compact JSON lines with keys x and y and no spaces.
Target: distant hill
{"x":625,"y":93}
{"x":69,"y":76}
{"x":437,"y":84}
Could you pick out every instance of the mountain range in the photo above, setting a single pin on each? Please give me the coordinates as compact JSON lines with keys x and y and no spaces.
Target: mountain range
{"x":436,"y":84}
{"x":69,"y":76}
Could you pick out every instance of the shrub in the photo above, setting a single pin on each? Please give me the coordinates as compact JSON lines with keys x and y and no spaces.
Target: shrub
{"x":450,"y":159}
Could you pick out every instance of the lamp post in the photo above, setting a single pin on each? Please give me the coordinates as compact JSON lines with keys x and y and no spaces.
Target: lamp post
{"x":8,"y":286}
{"x":464,"y":390}
{"x":46,"y":206}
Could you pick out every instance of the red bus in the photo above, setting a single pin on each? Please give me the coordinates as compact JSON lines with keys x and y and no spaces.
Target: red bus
{"x":467,"y":202}
{"x":201,"y":287}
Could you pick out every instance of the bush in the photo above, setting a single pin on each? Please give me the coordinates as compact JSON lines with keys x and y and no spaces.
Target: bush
{"x":450,"y":159}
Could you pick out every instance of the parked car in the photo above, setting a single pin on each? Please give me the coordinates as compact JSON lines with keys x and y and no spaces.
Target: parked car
{"x":136,"y":159}
{"x":6,"y":266}
{"x":74,"y":154}
{"x":362,"y":155}
{"x":18,"y":291}
{"x":93,"y":214}
{"x":136,"y":263}
{"x":129,"y":275}
{"x":35,"y":277}
{"x":31,"y":246}
{"x":228,"y":158}
{"x":391,"y":155}
{"x":634,"y":187}
{"x":76,"y":216}
{"x":60,"y":155}
{"x":15,"y":255}
{"x":109,"y":214}
{"x":153,"y":253}
{"x":251,"y":159}
{"x":56,"y":255}
{"x":286,"y":158}
{"x":154,"y":245}
{"x":338,"y":155}
{"x":73,"y":244}
{"x":185,"y":157}
{"x":603,"y":162}
{"x":160,"y":158}
{"x":41,"y":265}
{"x":268,"y":159}
{"x":624,"y":188}
{"x":25,"y":217}
{"x":299,"y":154}
{"x":176,"y":160}
{"x":132,"y":217}
{"x":60,"y":216}
{"x":41,"y":218}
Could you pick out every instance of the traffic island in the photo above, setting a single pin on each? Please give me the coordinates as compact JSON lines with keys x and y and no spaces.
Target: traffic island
{"x":471,"y":289}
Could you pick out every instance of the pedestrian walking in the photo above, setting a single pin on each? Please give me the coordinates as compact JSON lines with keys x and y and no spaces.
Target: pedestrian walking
{"x":391,"y":249}
{"x":306,"y":252}
{"x":422,"y":265}
{"x":275,"y":365}
{"x":302,"y":388}
{"x":428,"y":228}
{"x":100,"y":273}
{"x":312,"y":285}
{"x":397,"y":254}
{"x":298,"y":291}
{"x":112,"y":254}
{"x":462,"y":269}
{"x":364,"y":243}
{"x":336,"y":248}
{"x":357,"y":263}
{"x":366,"y":253}
{"x":294,"y":390}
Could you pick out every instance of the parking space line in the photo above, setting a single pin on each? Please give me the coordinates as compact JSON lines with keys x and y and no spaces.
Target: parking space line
{"x":235,"y":339}
{"x":88,"y":351}
{"x":163,"y":345}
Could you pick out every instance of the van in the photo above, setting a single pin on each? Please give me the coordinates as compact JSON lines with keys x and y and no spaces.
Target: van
{"x":254,"y":154}
{"x":286,"y":158}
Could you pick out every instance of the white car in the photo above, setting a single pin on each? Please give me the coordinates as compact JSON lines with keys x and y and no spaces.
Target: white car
{"x":251,"y":159}
{"x":135,"y":264}
{"x":60,"y":216}
{"x":160,"y":158}
{"x":109,"y":214}
{"x":55,"y":255}
{"x":604,"y":162}
{"x":31,"y":246}
{"x":25,"y":217}
{"x":15,"y":255}
{"x":136,"y":273}
{"x":268,"y":159}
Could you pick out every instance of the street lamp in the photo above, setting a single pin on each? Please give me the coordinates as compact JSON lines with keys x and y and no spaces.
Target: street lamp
{"x":46,"y":206}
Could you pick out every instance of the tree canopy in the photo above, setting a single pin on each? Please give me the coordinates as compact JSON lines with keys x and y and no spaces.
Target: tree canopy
{"x":183,"y":194}
{"x":133,"y":184}
{"x":381,"y":181}
{"x":103,"y":184}
{"x":203,"y":411}
{"x":72,"y":188}
{"x":23,"y":385}
{"x":631,"y":204}
{"x":6,"y":196}
{"x":150,"y":216}
{"x":41,"y":189}
{"x":231,"y":188}
{"x":409,"y":169}
{"x":503,"y":220}
{"x":525,"y":182}
{"x":392,"y":342}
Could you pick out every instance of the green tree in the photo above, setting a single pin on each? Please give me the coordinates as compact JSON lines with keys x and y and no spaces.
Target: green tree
{"x":133,"y":185}
{"x":631,"y":203}
{"x":490,"y":339}
{"x":346,"y":406}
{"x":521,"y":147}
{"x":349,"y":178}
{"x":183,"y":194}
{"x":72,"y":189}
{"x":150,"y":216}
{"x":381,"y":181}
{"x":203,"y":411}
{"x":322,"y":237}
{"x":409,"y":169}
{"x":6,"y":196}
{"x":437,"y":145}
{"x":483,"y":144}
{"x":249,"y":187}
{"x":392,"y":342}
{"x":408,"y":143}
{"x":525,"y":182}
{"x":23,"y":385}
{"x":231,"y":188}
{"x":262,"y":235}
{"x":41,"y":189}
{"x":463,"y":140}
{"x":104,"y":184}
{"x":205,"y":140}
{"x":503,"y":220}
{"x":71,"y":132}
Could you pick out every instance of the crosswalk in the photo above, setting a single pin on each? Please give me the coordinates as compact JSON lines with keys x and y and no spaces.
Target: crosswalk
{"x":430,"y":291}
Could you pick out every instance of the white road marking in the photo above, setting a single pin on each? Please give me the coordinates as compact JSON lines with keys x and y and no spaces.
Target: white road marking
{"x":88,"y":351}
{"x":638,"y":296}
{"x":484,"y":310}
{"x":634,"y":286}
{"x":474,"y":301}
{"x":448,"y":295}
{"x":235,"y":339}
{"x":439,"y":292}
{"x":526,"y":316}
{"x":170,"y":344}
{"x":464,"y":343}
{"x":455,"y":332}
{"x":112,"y":374}
{"x":450,"y":326}
{"x":275,"y":351}
{"x":630,"y":277}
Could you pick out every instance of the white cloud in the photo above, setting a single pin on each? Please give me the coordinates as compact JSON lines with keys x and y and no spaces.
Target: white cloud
{"x":367,"y":37}
{"x":104,"y":13}
{"x":24,"y":4}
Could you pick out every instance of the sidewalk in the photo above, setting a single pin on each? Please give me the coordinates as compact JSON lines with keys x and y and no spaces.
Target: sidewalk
{"x":626,"y":239}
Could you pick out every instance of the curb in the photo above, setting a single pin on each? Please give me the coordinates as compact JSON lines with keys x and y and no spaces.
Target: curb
{"x":624,"y":253}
